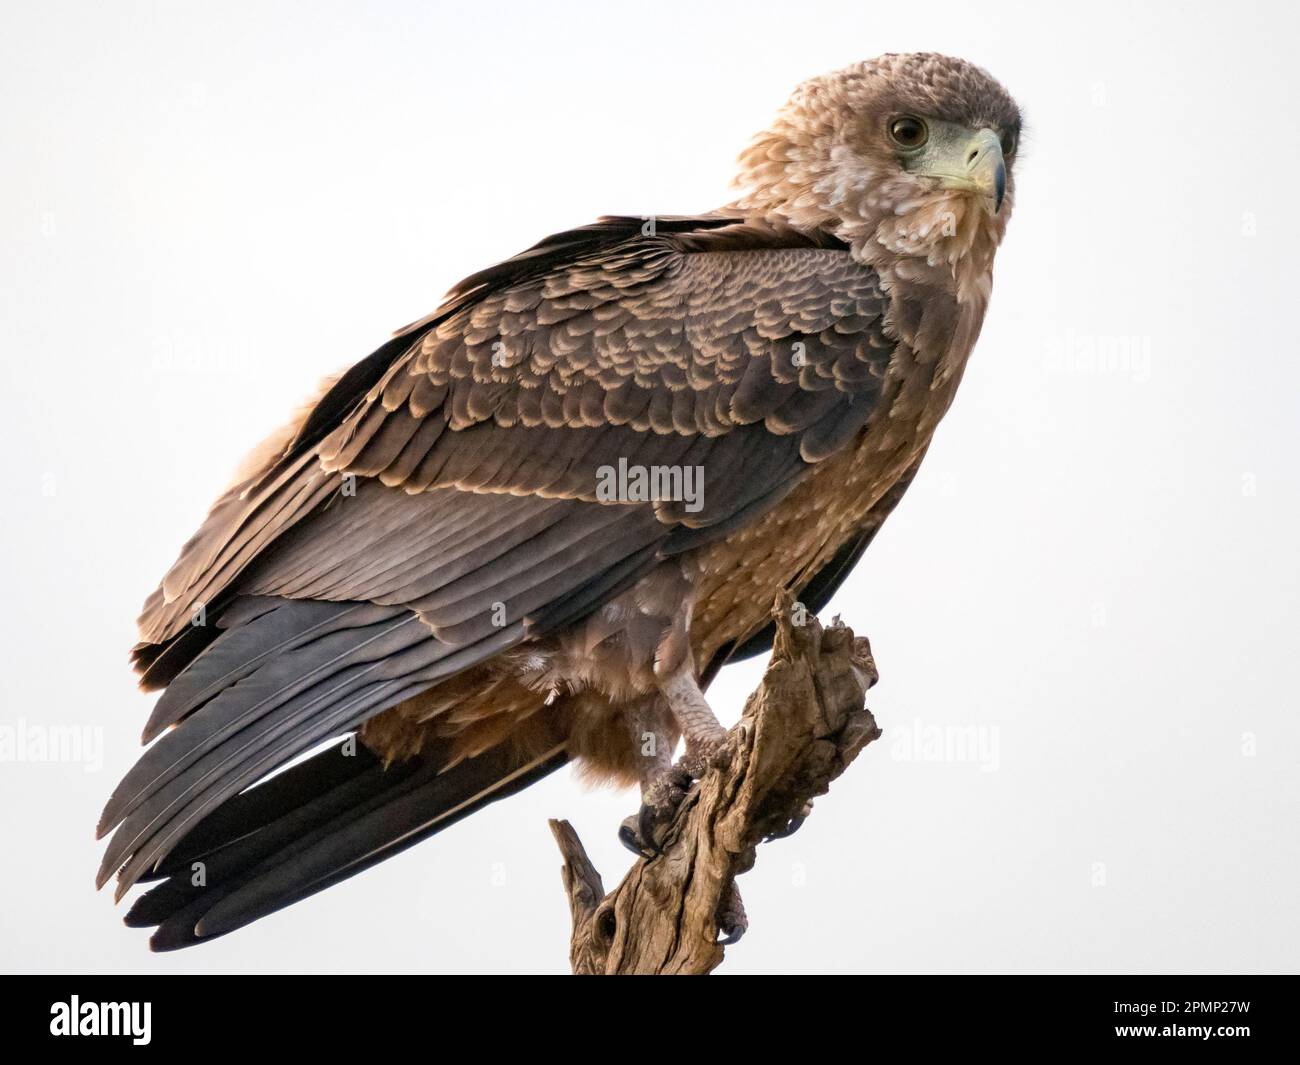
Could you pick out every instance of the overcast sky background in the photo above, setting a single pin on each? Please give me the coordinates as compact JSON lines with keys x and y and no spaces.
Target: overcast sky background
{"x":204,"y":208}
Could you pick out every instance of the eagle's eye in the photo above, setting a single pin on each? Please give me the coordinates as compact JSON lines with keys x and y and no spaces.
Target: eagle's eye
{"x":1008,"y":142}
{"x":908,"y":132}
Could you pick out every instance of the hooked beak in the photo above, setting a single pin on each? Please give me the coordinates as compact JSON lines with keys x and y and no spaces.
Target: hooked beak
{"x":979,"y":168}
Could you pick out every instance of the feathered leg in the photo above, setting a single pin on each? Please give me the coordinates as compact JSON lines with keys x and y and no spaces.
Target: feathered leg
{"x":678,"y":681}
{"x":663,"y":785}
{"x":706,"y":740}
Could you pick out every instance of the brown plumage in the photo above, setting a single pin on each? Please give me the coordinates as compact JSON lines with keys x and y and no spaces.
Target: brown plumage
{"x":430,"y":556}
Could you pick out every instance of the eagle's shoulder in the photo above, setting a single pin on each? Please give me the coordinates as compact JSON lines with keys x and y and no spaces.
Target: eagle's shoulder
{"x":748,"y":349}
{"x":653,"y":245}
{"x":693,"y":327}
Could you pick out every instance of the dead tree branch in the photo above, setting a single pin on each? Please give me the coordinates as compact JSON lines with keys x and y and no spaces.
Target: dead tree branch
{"x":800,"y":729}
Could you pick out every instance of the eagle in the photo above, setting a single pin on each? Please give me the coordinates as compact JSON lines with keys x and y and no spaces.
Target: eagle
{"x":530,"y":528}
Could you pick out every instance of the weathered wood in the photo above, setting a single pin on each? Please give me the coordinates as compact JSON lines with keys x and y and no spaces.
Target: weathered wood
{"x":799,"y":731}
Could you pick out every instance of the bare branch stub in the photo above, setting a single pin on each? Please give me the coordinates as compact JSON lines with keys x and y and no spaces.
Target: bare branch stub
{"x":799,"y":731}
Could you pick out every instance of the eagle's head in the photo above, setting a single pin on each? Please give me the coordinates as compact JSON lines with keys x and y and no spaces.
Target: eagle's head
{"x":908,"y":158}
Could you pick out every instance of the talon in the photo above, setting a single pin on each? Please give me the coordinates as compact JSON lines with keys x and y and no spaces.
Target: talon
{"x":792,"y":826}
{"x":643,"y":833}
{"x":732,"y":936}
{"x":732,"y":920}
{"x":652,"y":824}
{"x":629,"y":834}
{"x":733,"y":933}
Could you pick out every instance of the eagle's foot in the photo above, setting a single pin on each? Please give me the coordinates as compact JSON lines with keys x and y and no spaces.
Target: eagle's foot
{"x":643,"y":833}
{"x":713,"y":750}
{"x":666,"y":789}
{"x":732,"y":921}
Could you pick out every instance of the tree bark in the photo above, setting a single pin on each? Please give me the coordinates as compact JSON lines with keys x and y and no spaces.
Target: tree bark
{"x":799,"y":731}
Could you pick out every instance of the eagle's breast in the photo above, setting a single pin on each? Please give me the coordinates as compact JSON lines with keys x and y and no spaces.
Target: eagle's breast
{"x":737,"y":578}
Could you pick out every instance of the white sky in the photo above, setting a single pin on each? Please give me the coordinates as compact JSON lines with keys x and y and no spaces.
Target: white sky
{"x":204,"y":208}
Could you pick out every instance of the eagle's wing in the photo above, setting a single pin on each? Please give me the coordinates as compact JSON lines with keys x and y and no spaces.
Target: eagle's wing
{"x":473,"y":443}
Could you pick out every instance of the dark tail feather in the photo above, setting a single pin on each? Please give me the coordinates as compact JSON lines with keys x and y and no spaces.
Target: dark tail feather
{"x":312,"y":826}
{"x":253,"y":811}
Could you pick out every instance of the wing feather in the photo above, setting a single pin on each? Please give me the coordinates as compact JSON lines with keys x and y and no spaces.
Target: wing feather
{"x":476,"y":441}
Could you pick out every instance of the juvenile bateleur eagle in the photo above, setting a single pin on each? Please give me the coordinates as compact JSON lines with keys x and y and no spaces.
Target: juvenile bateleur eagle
{"x":429,"y":568}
